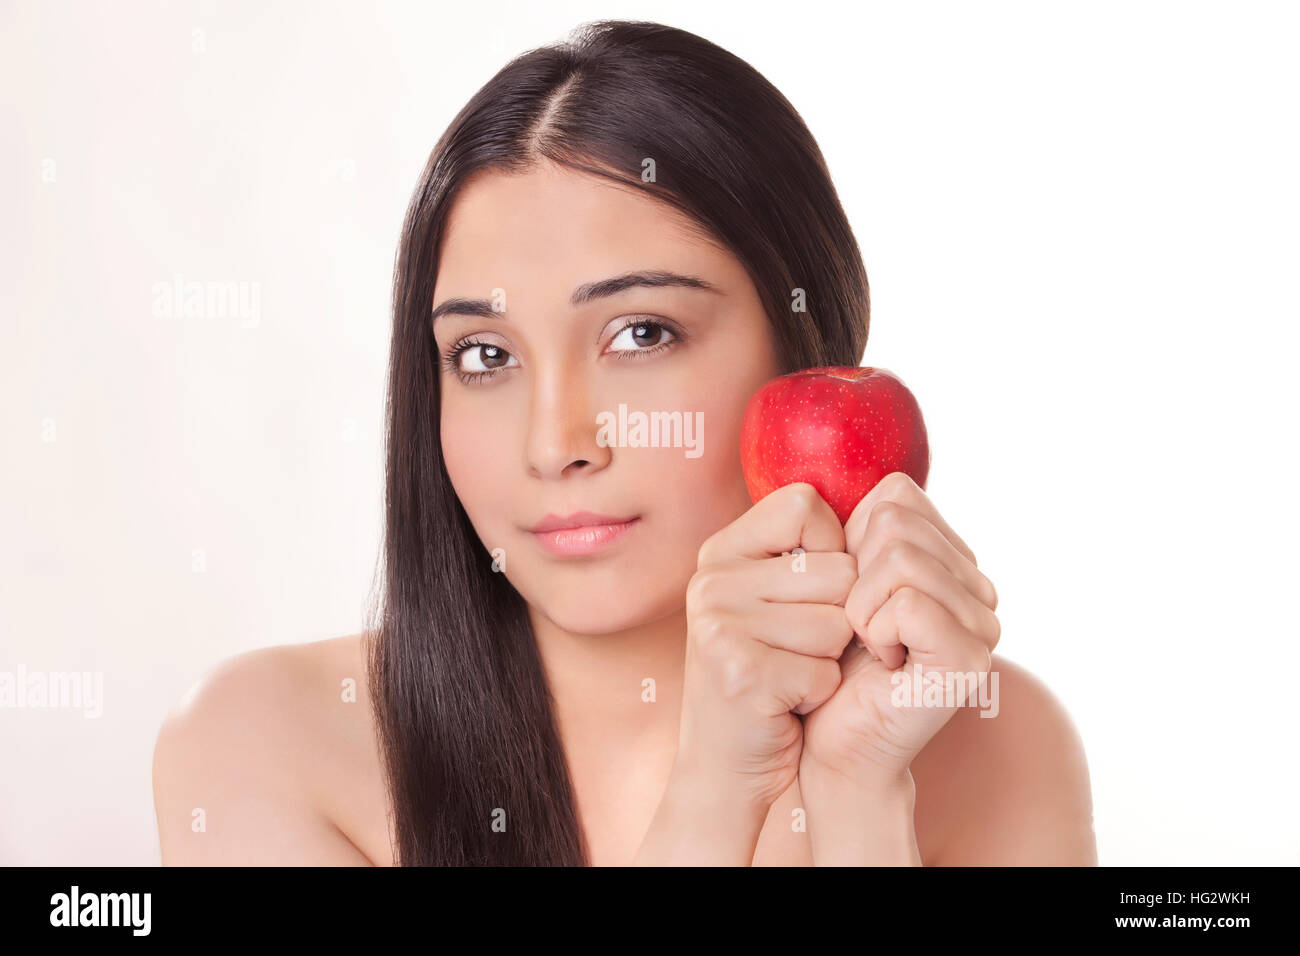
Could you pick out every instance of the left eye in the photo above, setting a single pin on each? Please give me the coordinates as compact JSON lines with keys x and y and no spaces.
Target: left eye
{"x":640,"y":335}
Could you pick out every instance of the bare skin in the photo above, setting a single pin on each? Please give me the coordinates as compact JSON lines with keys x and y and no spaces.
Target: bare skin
{"x":277,"y":767}
{"x":289,"y":774}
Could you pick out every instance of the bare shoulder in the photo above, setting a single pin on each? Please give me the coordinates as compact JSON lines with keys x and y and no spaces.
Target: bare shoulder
{"x":242,"y":759}
{"x":1011,"y":788}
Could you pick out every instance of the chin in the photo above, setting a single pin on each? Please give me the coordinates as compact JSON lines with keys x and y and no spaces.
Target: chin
{"x":586,"y":613}
{"x":583,"y":607}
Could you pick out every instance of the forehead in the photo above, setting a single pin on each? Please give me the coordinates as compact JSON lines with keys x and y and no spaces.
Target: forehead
{"x":554,"y":228}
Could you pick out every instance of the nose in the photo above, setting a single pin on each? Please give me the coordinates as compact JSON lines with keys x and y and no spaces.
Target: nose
{"x":562,"y":426}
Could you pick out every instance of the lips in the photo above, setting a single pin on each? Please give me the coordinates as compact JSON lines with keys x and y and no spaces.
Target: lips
{"x":581,"y":534}
{"x":579,"y":519}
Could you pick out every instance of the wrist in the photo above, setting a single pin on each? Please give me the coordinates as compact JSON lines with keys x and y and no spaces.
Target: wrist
{"x":860,"y":819}
{"x":703,"y":821}
{"x":720,"y":790}
{"x":893,"y":785}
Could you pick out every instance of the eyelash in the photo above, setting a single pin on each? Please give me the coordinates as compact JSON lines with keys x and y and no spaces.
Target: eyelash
{"x":451,"y":360}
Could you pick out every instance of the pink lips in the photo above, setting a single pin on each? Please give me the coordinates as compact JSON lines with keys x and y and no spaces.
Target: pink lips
{"x":580,"y":533}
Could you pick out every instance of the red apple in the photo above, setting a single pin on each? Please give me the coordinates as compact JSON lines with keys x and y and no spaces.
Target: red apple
{"x":839,"y":428}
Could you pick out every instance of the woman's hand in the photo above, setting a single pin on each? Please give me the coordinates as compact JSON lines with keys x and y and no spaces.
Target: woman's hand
{"x":919,"y":602}
{"x":765,"y":629}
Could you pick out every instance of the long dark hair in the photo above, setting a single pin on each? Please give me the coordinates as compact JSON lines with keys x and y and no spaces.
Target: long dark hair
{"x":462,"y":707}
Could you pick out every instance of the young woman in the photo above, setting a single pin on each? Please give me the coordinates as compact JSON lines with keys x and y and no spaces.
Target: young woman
{"x":624,"y":220}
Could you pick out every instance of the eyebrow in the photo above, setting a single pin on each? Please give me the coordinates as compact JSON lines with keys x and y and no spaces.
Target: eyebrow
{"x":655,"y":278}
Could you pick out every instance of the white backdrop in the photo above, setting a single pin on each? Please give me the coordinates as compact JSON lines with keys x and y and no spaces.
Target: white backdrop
{"x":1079,"y":223}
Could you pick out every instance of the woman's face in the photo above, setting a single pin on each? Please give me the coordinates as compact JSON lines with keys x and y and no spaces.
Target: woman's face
{"x":556,"y":356}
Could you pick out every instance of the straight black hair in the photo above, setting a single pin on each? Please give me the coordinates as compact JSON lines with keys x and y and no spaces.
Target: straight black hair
{"x":474,"y":765}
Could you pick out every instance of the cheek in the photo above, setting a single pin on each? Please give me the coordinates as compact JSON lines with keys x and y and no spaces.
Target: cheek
{"x":715,"y":491}
{"x":477,"y":456}
{"x":721,"y":472}
{"x":701,"y":494}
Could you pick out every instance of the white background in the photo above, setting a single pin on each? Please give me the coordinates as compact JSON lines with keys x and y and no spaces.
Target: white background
{"x":1080,"y":226}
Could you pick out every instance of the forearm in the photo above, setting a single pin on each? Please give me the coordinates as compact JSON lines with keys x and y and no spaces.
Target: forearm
{"x":859,"y":823}
{"x":698,"y":825}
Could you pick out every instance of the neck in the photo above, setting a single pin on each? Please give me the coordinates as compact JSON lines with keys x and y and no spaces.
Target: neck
{"x":601,"y":683}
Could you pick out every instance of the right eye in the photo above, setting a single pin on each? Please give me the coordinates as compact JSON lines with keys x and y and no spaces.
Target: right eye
{"x":489,"y":359}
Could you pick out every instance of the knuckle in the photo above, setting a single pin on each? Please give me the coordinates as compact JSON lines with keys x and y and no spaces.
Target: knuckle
{"x":705,"y":589}
{"x":886,"y":518}
{"x":708,"y":551}
{"x":899,"y":553}
{"x":803,"y":497}
{"x":711,"y":633}
{"x":738,"y":672}
{"x":909,"y":601}
{"x":900,"y":482}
